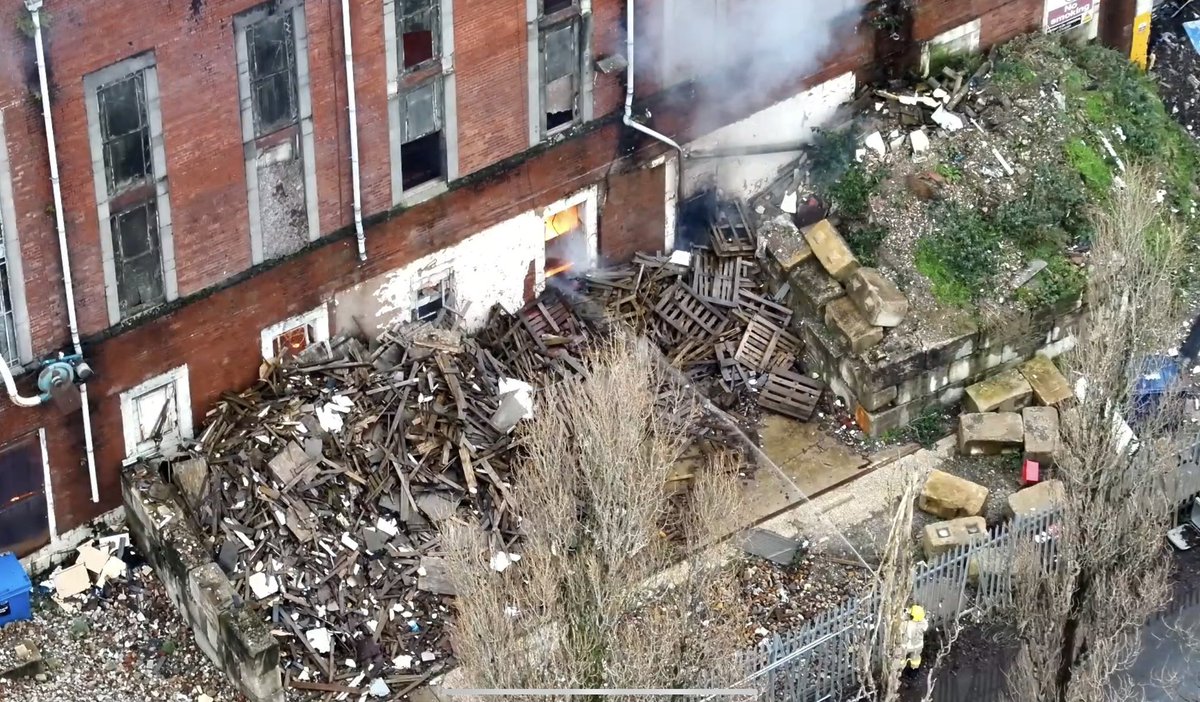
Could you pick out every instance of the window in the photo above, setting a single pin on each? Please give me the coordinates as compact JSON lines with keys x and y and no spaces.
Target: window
{"x":125,"y":131}
{"x":417,"y":27}
{"x":293,"y":335}
{"x":421,"y":152}
{"x":157,"y":414}
{"x":431,"y":300}
{"x":419,"y":35}
{"x":271,"y":47}
{"x":8,"y":317}
{"x":566,"y":241}
{"x":132,"y":194}
{"x":560,"y":78}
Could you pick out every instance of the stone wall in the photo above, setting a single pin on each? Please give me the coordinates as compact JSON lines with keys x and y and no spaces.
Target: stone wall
{"x":889,"y":392}
{"x":228,"y":630}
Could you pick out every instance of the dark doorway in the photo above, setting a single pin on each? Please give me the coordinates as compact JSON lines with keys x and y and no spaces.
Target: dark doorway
{"x":23,"y":523}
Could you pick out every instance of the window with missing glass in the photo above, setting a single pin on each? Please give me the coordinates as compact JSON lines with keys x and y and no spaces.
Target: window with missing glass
{"x":125,"y":132}
{"x":270,"y":43}
{"x":137,"y":258}
{"x":421,"y":151}
{"x":418,"y":31}
{"x":8,"y":321}
{"x":561,"y":72}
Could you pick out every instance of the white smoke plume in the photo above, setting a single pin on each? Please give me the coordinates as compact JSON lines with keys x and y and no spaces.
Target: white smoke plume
{"x":770,"y":42}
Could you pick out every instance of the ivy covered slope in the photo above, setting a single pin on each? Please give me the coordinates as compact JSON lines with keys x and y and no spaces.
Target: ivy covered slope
{"x":991,"y":223}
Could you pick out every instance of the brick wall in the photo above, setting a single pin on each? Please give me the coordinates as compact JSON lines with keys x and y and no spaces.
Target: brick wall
{"x":1002,"y":19}
{"x":215,"y":329}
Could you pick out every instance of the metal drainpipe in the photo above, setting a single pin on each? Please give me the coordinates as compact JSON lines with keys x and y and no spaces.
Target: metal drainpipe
{"x":34,"y":7}
{"x":11,"y":387}
{"x":628,"y":119}
{"x":353,"y":110}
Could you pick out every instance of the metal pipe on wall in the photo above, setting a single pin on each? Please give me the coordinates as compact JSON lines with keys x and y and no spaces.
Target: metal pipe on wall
{"x":352,"y":107}
{"x":34,"y":7}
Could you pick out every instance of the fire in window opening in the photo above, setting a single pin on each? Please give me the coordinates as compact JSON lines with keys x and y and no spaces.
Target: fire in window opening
{"x":430,"y":302}
{"x":417,"y":26}
{"x":561,"y":71}
{"x":566,"y":242}
{"x":422,"y":149}
{"x":293,"y":341}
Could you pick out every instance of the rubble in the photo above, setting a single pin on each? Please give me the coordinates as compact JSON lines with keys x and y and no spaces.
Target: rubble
{"x":1049,"y":386}
{"x":880,"y":301}
{"x":844,"y":317}
{"x":781,"y":598}
{"x":1007,"y":391}
{"x":949,"y":496}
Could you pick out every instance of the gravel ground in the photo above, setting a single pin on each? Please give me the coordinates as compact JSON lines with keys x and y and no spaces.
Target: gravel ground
{"x":781,"y":598}
{"x":127,"y":644}
{"x":1176,"y":62}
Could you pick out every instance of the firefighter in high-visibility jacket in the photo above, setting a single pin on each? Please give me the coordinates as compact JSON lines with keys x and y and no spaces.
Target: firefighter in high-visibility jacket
{"x":913,"y":636}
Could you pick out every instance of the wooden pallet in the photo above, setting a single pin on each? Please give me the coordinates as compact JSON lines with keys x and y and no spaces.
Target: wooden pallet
{"x":791,"y":394}
{"x":717,"y":280}
{"x":730,"y":233}
{"x":777,"y":314}
{"x":733,"y":374}
{"x":686,"y":316}
{"x":765,"y":346}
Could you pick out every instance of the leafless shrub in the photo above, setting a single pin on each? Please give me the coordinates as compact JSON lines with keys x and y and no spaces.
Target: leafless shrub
{"x":585,"y":606}
{"x":1079,"y":622}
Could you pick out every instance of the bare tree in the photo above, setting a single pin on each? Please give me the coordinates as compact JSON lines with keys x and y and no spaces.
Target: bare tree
{"x":1078,"y":611}
{"x":587,"y":605}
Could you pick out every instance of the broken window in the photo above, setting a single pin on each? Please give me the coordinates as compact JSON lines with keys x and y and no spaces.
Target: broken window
{"x":137,"y":257}
{"x":8,"y":322}
{"x":422,"y":154}
{"x":157,"y":413}
{"x":550,"y":7}
{"x":293,"y":341}
{"x":125,"y":132}
{"x":561,"y":71}
{"x":417,"y":26}
{"x":566,"y":242}
{"x":271,"y":47}
{"x":430,"y":302}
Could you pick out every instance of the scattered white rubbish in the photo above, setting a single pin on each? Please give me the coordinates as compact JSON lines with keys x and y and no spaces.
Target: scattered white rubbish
{"x":319,"y":639}
{"x":875,"y":143}
{"x":920,"y":142}
{"x":263,"y":585}
{"x":501,"y":560}
{"x":947,"y":120}
{"x":789,"y":202}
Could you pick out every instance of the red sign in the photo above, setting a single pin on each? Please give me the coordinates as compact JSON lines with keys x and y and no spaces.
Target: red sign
{"x":1061,"y":14}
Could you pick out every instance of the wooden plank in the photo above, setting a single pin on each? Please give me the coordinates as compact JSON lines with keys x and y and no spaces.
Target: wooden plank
{"x":791,"y":394}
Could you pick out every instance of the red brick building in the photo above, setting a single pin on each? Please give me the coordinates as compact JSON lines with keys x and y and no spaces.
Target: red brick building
{"x":208,"y":191}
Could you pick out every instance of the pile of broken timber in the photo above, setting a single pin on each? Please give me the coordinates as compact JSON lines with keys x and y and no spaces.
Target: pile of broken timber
{"x":328,"y":480}
{"x":711,"y":316}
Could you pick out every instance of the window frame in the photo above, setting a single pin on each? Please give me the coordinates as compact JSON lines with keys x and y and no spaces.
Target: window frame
{"x":261,"y":127}
{"x":121,"y":197}
{"x":433,"y":6}
{"x":12,"y":278}
{"x":317,"y":319}
{"x":402,"y":81}
{"x":538,"y":24}
{"x":177,"y":380}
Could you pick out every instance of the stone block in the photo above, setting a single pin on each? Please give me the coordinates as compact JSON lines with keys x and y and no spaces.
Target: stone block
{"x":940,"y":537}
{"x":785,"y":244}
{"x":879,"y":300}
{"x":1049,"y":385}
{"x":1036,"y":498}
{"x":843,"y":316}
{"x":875,"y":400}
{"x":896,"y":365}
{"x":831,"y":250}
{"x":990,"y":433}
{"x":812,"y":289}
{"x":769,"y":545}
{"x":949,"y":496}
{"x":876,"y":423}
{"x":1007,"y":391}
{"x":910,"y":390}
{"x":1041,"y":434}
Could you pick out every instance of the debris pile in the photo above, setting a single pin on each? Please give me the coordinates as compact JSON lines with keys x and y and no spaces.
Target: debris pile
{"x":1176,"y":60}
{"x":328,"y":479}
{"x":709,"y":312}
{"x":119,"y":637}
{"x":782,"y":597}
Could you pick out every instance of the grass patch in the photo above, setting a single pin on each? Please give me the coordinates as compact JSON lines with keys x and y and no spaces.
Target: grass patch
{"x":959,"y":258}
{"x":1061,"y":282}
{"x":830,"y":155}
{"x":1091,"y":166}
{"x":952,"y":174}
{"x":1011,"y":72}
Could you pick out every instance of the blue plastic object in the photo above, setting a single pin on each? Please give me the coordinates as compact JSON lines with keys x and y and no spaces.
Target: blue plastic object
{"x":1159,"y":374}
{"x":14,"y":590}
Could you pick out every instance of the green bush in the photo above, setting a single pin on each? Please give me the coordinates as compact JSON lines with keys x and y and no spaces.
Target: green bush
{"x":960,"y":256}
{"x":1091,"y":166}
{"x":864,"y":241}
{"x":1060,"y":282}
{"x":830,"y":155}
{"x":851,"y":194}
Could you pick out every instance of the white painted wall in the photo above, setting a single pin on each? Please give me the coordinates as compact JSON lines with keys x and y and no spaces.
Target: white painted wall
{"x":789,"y":121}
{"x":485,"y":269}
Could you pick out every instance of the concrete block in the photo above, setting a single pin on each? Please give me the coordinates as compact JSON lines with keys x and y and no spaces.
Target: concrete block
{"x":1049,"y":385}
{"x":1036,"y":498}
{"x":1004,"y":392}
{"x":786,"y":246}
{"x":959,"y":370}
{"x":951,"y":396}
{"x":990,"y":433}
{"x":879,"y":300}
{"x":910,"y":390}
{"x":875,"y":400}
{"x":812,"y":289}
{"x":876,"y":423}
{"x":843,"y":316}
{"x":831,"y":250}
{"x":1041,"y":434}
{"x":940,"y":537}
{"x":769,"y":545}
{"x":949,"y":496}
